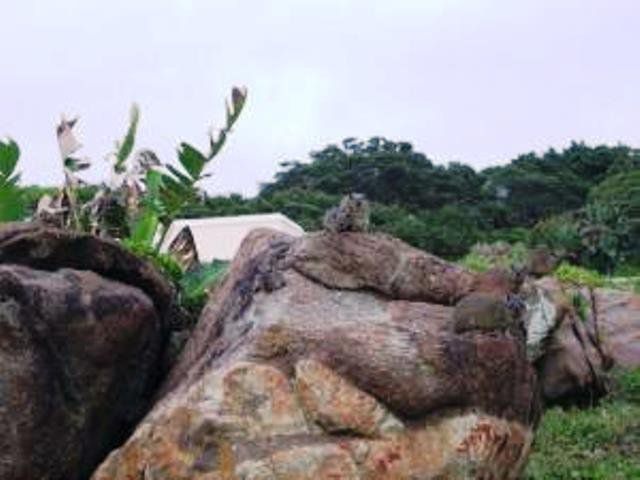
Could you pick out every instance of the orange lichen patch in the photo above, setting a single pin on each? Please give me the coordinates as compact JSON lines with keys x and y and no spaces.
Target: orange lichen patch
{"x":173,"y":447}
{"x":416,"y":454}
{"x":488,"y":446}
{"x":275,"y":341}
{"x":318,"y":462}
{"x":262,"y":396}
{"x":497,"y":446}
{"x":337,"y":405}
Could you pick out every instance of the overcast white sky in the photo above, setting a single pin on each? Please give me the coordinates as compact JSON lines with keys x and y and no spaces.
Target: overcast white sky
{"x":477,"y":81}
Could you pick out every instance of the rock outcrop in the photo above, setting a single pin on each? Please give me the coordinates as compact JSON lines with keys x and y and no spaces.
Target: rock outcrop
{"x":82,"y":329}
{"x":334,"y":356}
{"x":574,"y":348}
{"x":618,"y":315}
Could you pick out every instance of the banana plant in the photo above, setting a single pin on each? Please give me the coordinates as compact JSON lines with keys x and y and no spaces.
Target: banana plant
{"x":72,"y":166}
{"x":12,"y":205}
{"x":169,"y":191}
{"x":116,"y":202}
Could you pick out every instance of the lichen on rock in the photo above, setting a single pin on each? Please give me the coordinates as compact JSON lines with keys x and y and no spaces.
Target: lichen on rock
{"x":348,"y":366}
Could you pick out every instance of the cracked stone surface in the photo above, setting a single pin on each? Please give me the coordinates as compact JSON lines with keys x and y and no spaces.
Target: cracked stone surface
{"x":334,"y":356}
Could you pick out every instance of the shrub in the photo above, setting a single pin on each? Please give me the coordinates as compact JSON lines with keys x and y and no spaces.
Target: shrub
{"x":483,"y":257}
{"x":578,"y":277}
{"x":196,"y":285}
{"x":165,"y":263}
{"x":560,"y":234}
{"x":605,"y":235}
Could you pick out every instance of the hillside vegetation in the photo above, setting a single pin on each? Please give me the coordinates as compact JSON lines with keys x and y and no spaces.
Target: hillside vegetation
{"x":580,"y":202}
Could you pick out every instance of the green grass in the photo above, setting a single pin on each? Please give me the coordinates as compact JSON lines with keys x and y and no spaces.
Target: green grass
{"x":476,"y":262}
{"x":602,"y":442}
{"x":578,"y":276}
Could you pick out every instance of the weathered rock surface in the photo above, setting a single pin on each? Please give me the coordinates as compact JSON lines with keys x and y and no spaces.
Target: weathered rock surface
{"x":541,"y":262}
{"x":79,"y":352}
{"x":45,"y":248}
{"x":573,"y":351}
{"x":618,"y":316}
{"x":334,"y":356}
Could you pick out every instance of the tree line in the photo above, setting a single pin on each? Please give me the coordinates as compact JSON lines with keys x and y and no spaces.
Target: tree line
{"x":583,"y":202}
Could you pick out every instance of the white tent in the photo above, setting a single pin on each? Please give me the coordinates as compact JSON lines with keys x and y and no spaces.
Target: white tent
{"x":218,"y":238}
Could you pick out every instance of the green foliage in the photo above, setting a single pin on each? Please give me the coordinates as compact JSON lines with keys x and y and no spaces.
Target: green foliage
{"x":451,"y":231}
{"x":629,"y":284}
{"x":170,"y":192}
{"x":528,"y":189}
{"x":12,"y":202}
{"x":124,"y":148}
{"x":626,"y":385}
{"x":605,"y":234}
{"x":9,"y":156}
{"x":622,"y":189}
{"x":447,"y":209}
{"x":484,"y":257}
{"x":387,"y":172}
{"x":195,"y":285}
{"x":476,"y":262}
{"x":145,"y":226}
{"x":597,"y":443}
{"x":165,"y":263}
{"x":622,"y":192}
{"x":578,"y":276}
{"x":597,"y":236}
{"x":559,"y":233}
{"x":581,"y":305}
{"x":514,"y":235}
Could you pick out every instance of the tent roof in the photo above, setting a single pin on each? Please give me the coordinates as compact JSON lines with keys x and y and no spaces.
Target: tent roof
{"x":220,"y":237}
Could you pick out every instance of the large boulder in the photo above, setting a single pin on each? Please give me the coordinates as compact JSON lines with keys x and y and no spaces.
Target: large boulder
{"x":334,"y":356}
{"x":82,"y":330}
{"x":618,"y":316}
{"x":573,"y":348}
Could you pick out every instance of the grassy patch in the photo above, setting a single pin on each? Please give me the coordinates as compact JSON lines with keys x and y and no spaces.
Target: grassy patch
{"x":578,"y":276}
{"x":597,"y":443}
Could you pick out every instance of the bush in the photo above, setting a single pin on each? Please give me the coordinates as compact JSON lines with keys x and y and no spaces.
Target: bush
{"x":165,"y":263}
{"x":196,"y":285}
{"x":483,"y":257}
{"x":622,"y":192}
{"x":560,"y":234}
{"x":605,"y":235}
{"x":578,"y":276}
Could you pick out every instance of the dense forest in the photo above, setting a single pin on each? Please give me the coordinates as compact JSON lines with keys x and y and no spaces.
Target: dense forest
{"x":582,"y":202}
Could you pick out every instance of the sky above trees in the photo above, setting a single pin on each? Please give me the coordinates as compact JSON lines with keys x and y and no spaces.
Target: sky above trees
{"x":476,"y":81}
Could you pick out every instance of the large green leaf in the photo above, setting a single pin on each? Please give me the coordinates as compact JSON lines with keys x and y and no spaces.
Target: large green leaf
{"x":238,"y":99}
{"x":217,"y":143}
{"x":154,"y":181}
{"x":76,"y":164}
{"x":181,"y":177}
{"x":145,"y":227}
{"x":9,"y":155}
{"x":191,"y":159}
{"x":12,"y":205}
{"x":126,"y":147}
